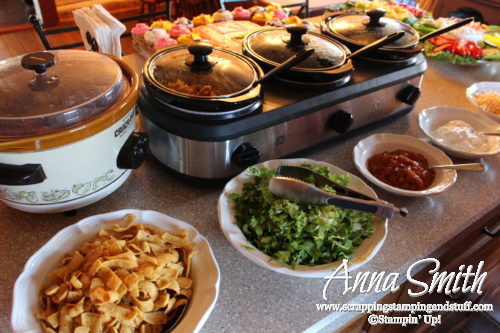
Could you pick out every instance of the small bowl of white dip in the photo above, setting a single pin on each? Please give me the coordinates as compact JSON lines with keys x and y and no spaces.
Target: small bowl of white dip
{"x":459,"y":132}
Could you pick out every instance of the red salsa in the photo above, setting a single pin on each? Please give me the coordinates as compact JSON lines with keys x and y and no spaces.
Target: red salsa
{"x":402,"y":169}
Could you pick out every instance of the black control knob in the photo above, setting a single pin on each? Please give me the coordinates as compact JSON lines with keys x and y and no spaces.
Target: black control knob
{"x":409,"y":94}
{"x":340,"y":121}
{"x":245,"y":155}
{"x":133,"y":152}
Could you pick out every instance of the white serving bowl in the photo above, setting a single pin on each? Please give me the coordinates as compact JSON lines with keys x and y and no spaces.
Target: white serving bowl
{"x":204,"y":268}
{"x":364,"y":253}
{"x":378,"y":143}
{"x":431,"y":119}
{"x":480,"y":87}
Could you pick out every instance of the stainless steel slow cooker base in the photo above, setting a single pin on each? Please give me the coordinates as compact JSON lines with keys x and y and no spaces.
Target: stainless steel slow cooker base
{"x":289,"y":123}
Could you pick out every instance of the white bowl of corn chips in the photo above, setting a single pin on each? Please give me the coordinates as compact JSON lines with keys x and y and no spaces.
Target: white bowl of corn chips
{"x":119,"y":270}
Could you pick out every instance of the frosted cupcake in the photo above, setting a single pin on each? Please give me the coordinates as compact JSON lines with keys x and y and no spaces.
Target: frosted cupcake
{"x":184,"y":20}
{"x":293,"y":20}
{"x":202,"y":19}
{"x":188,"y":38}
{"x":256,"y":10}
{"x":240,"y":13}
{"x":162,"y":24}
{"x":271,"y":8}
{"x":279,"y":14}
{"x":164,"y":42}
{"x":138,"y":32}
{"x":222,"y":15}
{"x":178,"y":30}
{"x":262,"y":18}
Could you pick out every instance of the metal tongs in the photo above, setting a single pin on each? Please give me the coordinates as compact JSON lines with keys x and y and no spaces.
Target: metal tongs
{"x":292,"y":182}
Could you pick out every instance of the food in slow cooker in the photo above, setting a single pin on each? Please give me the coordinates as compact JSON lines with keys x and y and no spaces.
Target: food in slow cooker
{"x":193,"y":89}
{"x":403,"y":169}
{"x":489,"y":100}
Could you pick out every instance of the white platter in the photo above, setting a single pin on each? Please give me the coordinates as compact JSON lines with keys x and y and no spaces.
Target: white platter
{"x":379,"y":143}
{"x":204,"y":268}
{"x":480,"y":87}
{"x":431,"y":119}
{"x":364,"y":253}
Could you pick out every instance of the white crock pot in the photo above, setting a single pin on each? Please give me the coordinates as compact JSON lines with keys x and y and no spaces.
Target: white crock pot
{"x":67,"y":129}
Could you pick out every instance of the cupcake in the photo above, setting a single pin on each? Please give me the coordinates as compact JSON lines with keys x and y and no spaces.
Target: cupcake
{"x":273,"y":7}
{"x":184,"y":20}
{"x":163,"y":42}
{"x":162,"y":24}
{"x":152,"y":35}
{"x":203,"y":19}
{"x":293,"y":20}
{"x":222,"y":15}
{"x":138,"y":32}
{"x":139,"y":29}
{"x":279,"y":14}
{"x":256,"y":9}
{"x":187,"y":39}
{"x":262,"y":18}
{"x":240,"y":13}
{"x":177,"y":30}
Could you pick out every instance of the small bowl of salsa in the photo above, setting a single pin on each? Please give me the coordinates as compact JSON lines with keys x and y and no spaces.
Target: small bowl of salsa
{"x":400,"y":164}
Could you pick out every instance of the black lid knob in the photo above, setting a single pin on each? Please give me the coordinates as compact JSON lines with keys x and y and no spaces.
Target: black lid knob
{"x":375,"y":15}
{"x":297,"y":31}
{"x":38,"y":61}
{"x":200,"y":52}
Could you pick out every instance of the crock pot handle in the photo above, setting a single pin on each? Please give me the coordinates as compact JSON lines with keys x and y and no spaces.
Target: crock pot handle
{"x":133,"y":152}
{"x":26,"y":174}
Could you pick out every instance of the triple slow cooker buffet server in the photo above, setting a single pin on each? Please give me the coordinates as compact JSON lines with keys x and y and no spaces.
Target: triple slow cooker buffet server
{"x":217,"y":143}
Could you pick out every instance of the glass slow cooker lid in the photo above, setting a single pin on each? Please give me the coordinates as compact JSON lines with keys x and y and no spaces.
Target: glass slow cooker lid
{"x":365,"y":29}
{"x":200,"y":71}
{"x":44,"y":92}
{"x":276,"y":45}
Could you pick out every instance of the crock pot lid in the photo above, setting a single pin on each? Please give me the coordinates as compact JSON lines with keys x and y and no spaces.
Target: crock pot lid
{"x":358,"y":29}
{"x":200,"y":70}
{"x":56,"y":90}
{"x":275,"y":46}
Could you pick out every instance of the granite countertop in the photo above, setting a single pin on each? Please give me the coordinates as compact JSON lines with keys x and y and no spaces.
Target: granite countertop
{"x":251,"y":298}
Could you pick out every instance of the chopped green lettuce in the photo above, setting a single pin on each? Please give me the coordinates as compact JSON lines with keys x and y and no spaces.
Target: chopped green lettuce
{"x":298,"y":234}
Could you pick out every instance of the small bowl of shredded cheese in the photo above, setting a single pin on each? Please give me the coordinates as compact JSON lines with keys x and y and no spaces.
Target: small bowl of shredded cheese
{"x":485,"y":96}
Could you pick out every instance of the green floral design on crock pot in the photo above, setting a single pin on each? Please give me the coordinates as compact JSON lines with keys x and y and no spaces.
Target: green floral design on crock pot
{"x":12,"y":196}
{"x":57,"y":195}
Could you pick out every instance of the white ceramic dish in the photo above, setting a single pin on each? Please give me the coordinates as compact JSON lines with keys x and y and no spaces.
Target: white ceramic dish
{"x":480,"y":87}
{"x":204,"y":269}
{"x":379,"y":143}
{"x":431,"y":119}
{"x":364,"y":253}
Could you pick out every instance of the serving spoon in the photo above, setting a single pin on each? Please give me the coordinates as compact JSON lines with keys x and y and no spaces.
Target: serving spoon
{"x":466,"y":166}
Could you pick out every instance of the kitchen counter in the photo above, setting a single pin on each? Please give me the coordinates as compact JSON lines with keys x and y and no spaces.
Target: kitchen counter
{"x":251,"y":298}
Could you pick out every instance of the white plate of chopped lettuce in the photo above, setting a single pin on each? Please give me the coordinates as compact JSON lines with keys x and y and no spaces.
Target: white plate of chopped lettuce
{"x":297,"y":239}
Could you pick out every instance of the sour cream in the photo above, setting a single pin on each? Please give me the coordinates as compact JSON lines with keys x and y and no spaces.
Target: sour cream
{"x":461,"y":135}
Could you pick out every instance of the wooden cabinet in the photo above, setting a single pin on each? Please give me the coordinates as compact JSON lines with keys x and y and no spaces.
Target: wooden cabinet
{"x":468,"y":248}
{"x":490,"y":9}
